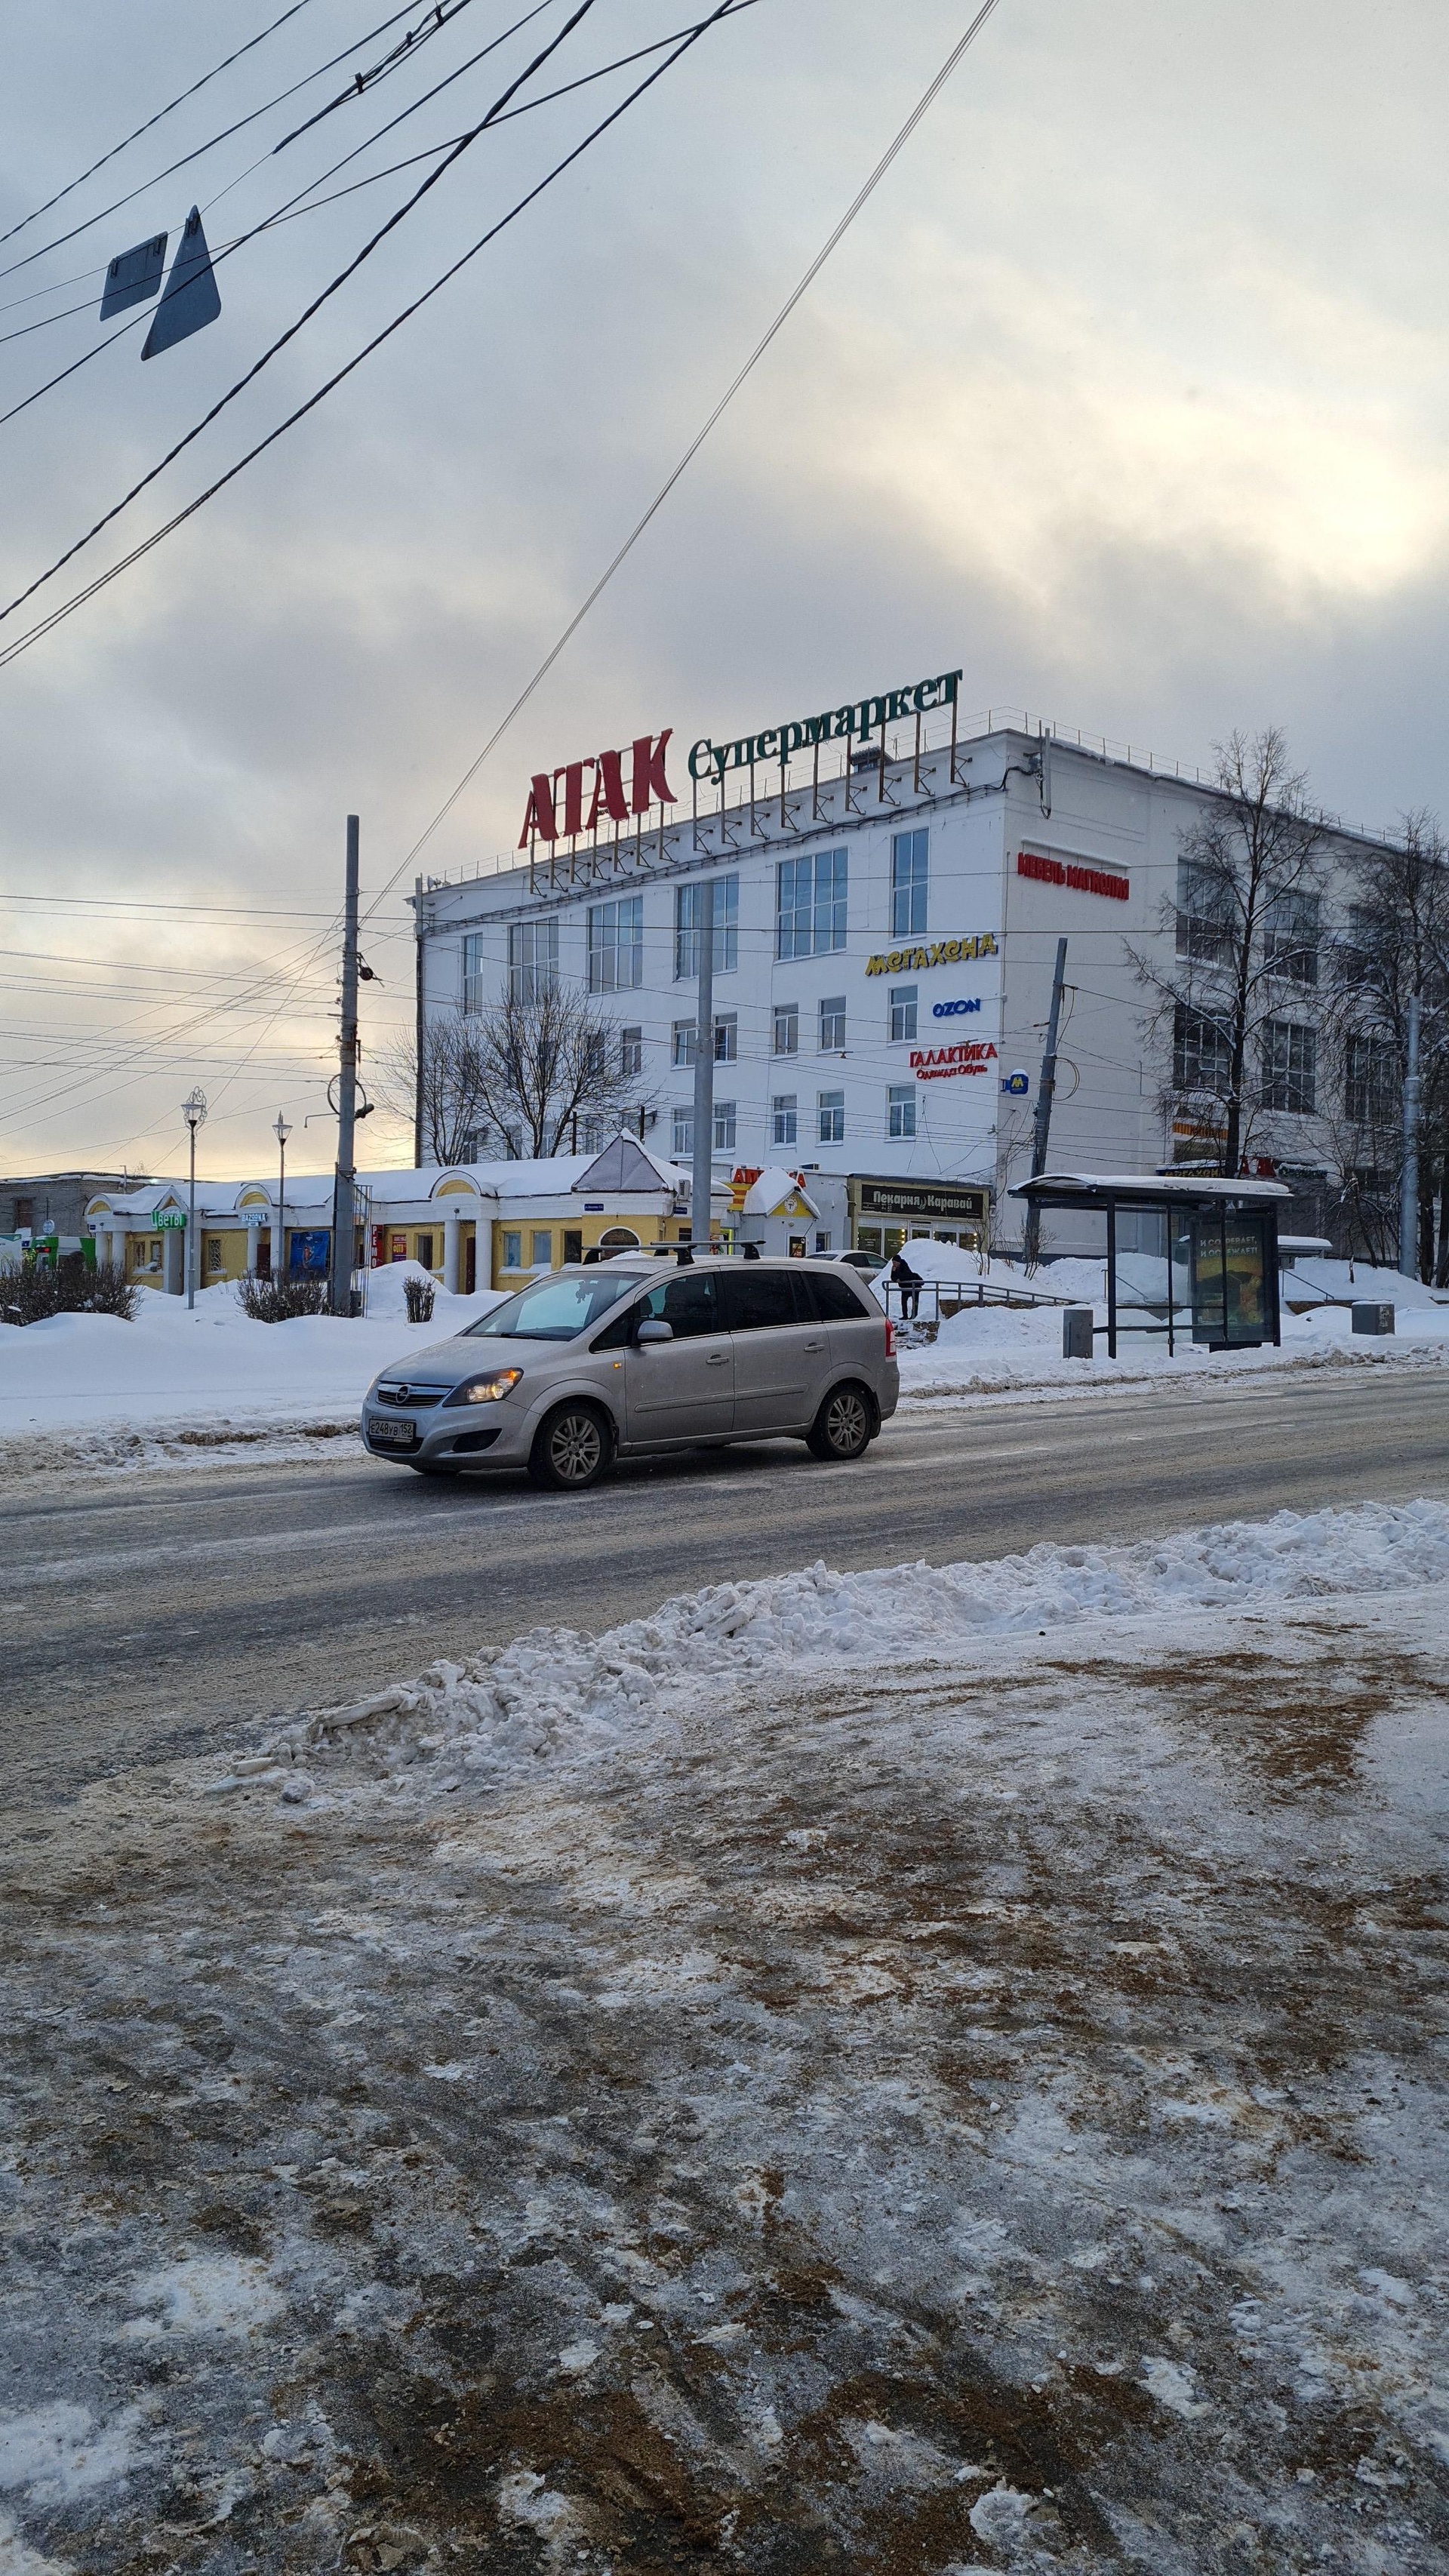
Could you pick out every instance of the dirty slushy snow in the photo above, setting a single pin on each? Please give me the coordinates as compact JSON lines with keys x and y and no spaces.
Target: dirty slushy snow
{"x":925,"y":2070}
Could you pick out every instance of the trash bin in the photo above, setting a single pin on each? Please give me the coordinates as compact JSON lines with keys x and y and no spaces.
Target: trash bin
{"x":1077,"y":1325}
{"x":1372,"y":1315}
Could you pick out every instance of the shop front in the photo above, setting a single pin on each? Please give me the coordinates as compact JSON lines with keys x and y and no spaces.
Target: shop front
{"x":884,"y":1213}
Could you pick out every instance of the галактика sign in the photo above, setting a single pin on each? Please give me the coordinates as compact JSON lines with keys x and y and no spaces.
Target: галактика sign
{"x":938,"y":1064}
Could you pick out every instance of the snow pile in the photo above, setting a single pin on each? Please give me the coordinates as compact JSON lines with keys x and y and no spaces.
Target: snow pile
{"x":1349,"y":1280}
{"x":554,"y":1694}
{"x":213,"y":1366}
{"x":996,"y":1350}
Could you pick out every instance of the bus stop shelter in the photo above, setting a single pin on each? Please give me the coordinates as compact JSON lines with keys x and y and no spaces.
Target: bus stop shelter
{"x":1188,"y":1256}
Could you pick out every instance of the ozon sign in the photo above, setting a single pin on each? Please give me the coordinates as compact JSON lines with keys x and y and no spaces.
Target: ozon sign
{"x":551,"y":815}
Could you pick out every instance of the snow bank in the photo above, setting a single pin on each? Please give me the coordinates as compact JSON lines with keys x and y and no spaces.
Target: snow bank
{"x":170,"y":1368}
{"x":554,"y":1694}
{"x":1362,"y":1279}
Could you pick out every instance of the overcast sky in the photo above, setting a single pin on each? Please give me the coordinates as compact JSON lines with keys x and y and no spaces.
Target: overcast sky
{"x":1127,"y":393}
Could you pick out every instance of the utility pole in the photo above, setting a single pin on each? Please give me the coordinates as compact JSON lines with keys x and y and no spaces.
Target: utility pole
{"x":344,"y":1187}
{"x":279,"y":1246}
{"x":1041,"y":1126}
{"x":1409,"y":1183}
{"x":699,"y":1216}
{"x":419,"y":1022}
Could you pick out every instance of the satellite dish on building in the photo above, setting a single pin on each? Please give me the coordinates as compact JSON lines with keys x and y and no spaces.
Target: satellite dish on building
{"x":191,"y":299}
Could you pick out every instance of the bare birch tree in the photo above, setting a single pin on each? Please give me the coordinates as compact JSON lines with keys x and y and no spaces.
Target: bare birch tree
{"x":519,"y":1077}
{"x":1245,"y":924}
{"x":1393,"y":944}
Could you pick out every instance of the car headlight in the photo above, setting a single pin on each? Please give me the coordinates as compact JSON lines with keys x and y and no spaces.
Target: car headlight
{"x":485,"y":1390}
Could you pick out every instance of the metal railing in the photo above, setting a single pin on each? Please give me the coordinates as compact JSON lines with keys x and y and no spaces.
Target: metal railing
{"x":938,"y":1299}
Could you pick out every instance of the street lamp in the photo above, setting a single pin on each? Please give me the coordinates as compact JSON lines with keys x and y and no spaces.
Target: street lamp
{"x":279,"y":1259}
{"x":193,"y":1110}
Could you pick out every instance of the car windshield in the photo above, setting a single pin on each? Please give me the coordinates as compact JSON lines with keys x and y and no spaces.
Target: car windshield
{"x":554,"y":1310}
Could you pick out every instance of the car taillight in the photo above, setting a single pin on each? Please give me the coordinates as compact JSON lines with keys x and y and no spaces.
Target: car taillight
{"x":890,"y":1339}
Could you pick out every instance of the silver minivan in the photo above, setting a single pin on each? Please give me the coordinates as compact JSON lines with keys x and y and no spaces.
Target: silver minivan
{"x":592,"y":1364}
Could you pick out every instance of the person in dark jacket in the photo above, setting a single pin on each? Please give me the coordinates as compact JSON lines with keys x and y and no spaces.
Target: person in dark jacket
{"x":909,"y":1283}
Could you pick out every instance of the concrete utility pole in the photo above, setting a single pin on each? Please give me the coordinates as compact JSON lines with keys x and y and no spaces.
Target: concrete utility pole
{"x":194,"y":1113}
{"x":279,"y":1246}
{"x":344,"y":1188}
{"x":1409,"y":1183}
{"x":1042,"y":1124}
{"x":420,"y":1021}
{"x":699,"y":1218}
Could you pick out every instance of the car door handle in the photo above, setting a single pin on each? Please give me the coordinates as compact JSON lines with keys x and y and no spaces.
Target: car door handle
{"x":815,"y":1346}
{"x":717,"y":1359}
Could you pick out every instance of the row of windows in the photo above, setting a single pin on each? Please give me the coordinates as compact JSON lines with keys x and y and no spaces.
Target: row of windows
{"x":1208,"y":927}
{"x":1287,"y":1067}
{"x":785,"y":1120}
{"x":811,"y":895}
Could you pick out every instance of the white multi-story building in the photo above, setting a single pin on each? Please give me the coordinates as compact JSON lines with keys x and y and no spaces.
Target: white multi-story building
{"x":889,"y":886}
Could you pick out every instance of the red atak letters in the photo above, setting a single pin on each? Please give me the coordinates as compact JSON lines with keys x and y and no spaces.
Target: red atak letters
{"x":546,"y":818}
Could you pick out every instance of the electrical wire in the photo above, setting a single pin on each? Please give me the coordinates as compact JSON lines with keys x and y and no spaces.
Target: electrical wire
{"x":696,"y":443}
{"x":117,"y":148}
{"x":201,"y":149}
{"x":44,"y":626}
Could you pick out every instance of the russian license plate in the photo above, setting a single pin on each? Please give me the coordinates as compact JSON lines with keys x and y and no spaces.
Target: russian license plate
{"x":392,"y":1435}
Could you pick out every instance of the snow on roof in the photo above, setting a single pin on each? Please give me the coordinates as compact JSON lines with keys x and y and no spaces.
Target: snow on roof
{"x":1154,"y":1185}
{"x":624,"y":1167}
{"x":769,"y":1193}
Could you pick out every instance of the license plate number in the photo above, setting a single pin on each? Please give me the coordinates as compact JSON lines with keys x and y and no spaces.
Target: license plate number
{"x":392,"y":1435}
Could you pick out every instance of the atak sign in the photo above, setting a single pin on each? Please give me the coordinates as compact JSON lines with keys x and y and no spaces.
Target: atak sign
{"x":550,"y":816}
{"x":939,"y":1064}
{"x":710,"y":759}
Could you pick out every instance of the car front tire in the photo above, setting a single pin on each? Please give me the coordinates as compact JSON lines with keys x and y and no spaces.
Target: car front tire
{"x":573,"y":1448}
{"x":845,"y":1425}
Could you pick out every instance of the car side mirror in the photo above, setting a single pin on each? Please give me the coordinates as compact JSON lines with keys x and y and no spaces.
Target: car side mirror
{"x":654,"y":1329}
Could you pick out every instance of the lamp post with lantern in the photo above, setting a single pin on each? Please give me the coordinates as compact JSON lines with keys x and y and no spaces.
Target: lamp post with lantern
{"x":281,"y":1131}
{"x":193,"y":1110}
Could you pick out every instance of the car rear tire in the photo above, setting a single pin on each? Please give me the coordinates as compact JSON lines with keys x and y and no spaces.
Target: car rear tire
{"x":573,"y":1448}
{"x":845,"y":1425}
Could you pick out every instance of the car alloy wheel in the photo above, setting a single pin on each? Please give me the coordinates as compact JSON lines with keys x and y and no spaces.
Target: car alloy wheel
{"x":572,"y":1449}
{"x":843,"y":1426}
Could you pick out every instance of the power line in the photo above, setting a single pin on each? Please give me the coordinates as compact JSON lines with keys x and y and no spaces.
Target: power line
{"x":44,"y":626}
{"x":721,"y":407}
{"x":201,"y":149}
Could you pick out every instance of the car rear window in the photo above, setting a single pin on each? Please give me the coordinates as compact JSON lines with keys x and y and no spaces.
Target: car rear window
{"x":836,"y":1298}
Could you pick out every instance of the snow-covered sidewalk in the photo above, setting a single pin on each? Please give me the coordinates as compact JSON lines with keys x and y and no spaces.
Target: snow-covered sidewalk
{"x":926,"y":2069}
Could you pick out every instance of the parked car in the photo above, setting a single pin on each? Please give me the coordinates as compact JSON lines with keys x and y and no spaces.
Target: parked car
{"x":865,"y":1261}
{"x":593,"y":1364}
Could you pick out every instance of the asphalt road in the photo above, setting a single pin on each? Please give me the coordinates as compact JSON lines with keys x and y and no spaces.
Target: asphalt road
{"x":145,"y":1619}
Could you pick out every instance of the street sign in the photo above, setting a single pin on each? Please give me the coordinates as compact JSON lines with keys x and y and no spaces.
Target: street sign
{"x":191,"y":299}
{"x":134,"y":276}
{"x":166,"y":1220}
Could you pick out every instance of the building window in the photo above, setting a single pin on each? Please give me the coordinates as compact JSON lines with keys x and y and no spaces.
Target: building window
{"x":1290,"y":938}
{"x":785,"y":1119}
{"x":910,"y":883}
{"x":724,"y":1126}
{"x":532,"y":959}
{"x":786,"y":1040}
{"x":684,"y":1049}
{"x":903,"y":1012}
{"x":1290,"y":1068}
{"x":721,"y":895}
{"x":425,"y":1251}
{"x":594,"y":1134}
{"x":470,"y":1147}
{"x":810,"y":904}
{"x":541,"y":1250}
{"x":215,"y":1257}
{"x":683,"y":1132}
{"x":1373,"y":1092}
{"x":832,"y":1024}
{"x":512,"y":1251}
{"x":832,"y":1117}
{"x":474,"y":972}
{"x":727,"y":1037}
{"x":901,"y":1103}
{"x":1205,"y":916}
{"x":631,"y":1052}
{"x":616,"y":945}
{"x":1202,"y":1055}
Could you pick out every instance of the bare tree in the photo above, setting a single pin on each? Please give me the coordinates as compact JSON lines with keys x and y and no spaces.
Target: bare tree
{"x":550,"y":1058}
{"x":442,"y":1088}
{"x":1394,"y":944}
{"x":1250,"y":880}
